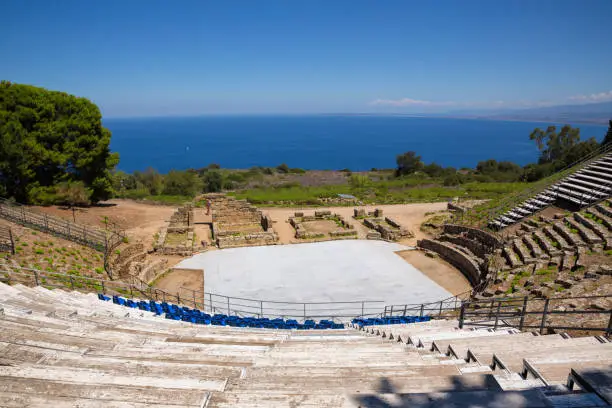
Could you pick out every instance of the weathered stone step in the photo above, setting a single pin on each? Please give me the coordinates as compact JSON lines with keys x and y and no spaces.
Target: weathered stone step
{"x":522,"y":252}
{"x":585,"y":233}
{"x":605,"y":220}
{"x":102,"y":394}
{"x":571,"y":238}
{"x":544,"y":242}
{"x":535,"y":249}
{"x":511,"y":257}
{"x":555,"y":237}
{"x":597,"y":228}
{"x":604,"y":208}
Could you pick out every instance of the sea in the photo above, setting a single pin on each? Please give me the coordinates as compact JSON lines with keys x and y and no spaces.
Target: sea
{"x":321,"y":142}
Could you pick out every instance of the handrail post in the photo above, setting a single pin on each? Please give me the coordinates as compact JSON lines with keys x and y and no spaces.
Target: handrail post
{"x":544,"y":312}
{"x":195,"y":306}
{"x":211,"y":302}
{"x":362,"y":308}
{"x":261,"y":308}
{"x":405,"y":310}
{"x":304,"y":311}
{"x":178,"y":298}
{"x":440,"y":314}
{"x":497,"y":314}
{"x":491,"y":309}
{"x":462,"y":315}
{"x":391,"y":312}
{"x":36,"y":276}
{"x":523,"y":313}
{"x":71,"y":283}
{"x":228,"y":305}
{"x":102,"y":285}
{"x":422,"y":307}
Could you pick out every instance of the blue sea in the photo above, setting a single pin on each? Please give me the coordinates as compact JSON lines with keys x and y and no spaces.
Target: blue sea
{"x":323,"y":142}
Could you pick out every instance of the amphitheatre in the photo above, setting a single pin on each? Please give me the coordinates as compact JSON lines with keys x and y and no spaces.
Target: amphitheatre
{"x":412,"y":305}
{"x":502,"y":298}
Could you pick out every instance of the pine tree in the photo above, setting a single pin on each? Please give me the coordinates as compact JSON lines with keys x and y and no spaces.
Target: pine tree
{"x":608,"y":139}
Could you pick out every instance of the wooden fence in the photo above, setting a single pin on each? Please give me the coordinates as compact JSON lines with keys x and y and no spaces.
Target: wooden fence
{"x":103,"y":241}
{"x":7,"y":244}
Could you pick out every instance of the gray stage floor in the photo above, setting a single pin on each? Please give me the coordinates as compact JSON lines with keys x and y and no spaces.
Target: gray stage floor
{"x":316,"y":272}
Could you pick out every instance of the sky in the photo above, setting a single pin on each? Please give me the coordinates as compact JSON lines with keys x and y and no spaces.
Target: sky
{"x":160,"y":58}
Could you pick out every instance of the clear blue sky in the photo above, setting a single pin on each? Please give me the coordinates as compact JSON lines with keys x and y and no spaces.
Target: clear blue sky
{"x":146,"y":58}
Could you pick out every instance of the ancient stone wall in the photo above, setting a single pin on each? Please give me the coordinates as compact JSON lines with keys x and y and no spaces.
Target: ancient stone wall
{"x":180,"y":223}
{"x":345,"y":230}
{"x":458,"y":259}
{"x":388,"y":228}
{"x":485,"y":237}
{"x":237,"y":223}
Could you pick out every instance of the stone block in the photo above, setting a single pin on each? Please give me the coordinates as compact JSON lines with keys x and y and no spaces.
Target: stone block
{"x":359,"y":212}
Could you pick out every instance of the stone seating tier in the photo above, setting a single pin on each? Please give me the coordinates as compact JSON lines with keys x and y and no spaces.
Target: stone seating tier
{"x":68,"y":349}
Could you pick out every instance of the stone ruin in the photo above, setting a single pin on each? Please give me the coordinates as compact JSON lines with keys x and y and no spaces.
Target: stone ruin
{"x":381,"y":227}
{"x":341,"y":230}
{"x":236,"y":223}
{"x":132,"y":266}
{"x":177,"y":238}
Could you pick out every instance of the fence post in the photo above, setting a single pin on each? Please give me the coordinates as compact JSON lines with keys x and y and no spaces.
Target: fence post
{"x":304,"y":311}
{"x":461,"y":315}
{"x":440,"y":314}
{"x":71,"y":283}
{"x":491,"y":310}
{"x":164,"y":296}
{"x":228,"y":305}
{"x":211,"y":303}
{"x":103,"y":288}
{"x":362,"y":308}
{"x":523,"y":313}
{"x":544,"y":316}
{"x":497,"y":315}
{"x":36,"y":276}
{"x":195,"y":306}
{"x":422,"y":307}
{"x":405,"y":309}
{"x":178,"y":298}
{"x":261,"y":308}
{"x":391,"y":312}
{"x":12,"y":242}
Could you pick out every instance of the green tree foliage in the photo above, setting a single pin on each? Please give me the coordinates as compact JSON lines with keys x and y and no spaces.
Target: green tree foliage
{"x":73,"y":193}
{"x":608,"y":139}
{"x":186,"y":183}
{"x":408,"y":163}
{"x":554,"y":145}
{"x":47,"y":138}
{"x":282,"y":168}
{"x":213,"y":181}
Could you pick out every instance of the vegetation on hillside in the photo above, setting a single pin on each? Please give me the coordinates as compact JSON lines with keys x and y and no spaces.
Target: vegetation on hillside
{"x":411,"y":181}
{"x":53,"y":148}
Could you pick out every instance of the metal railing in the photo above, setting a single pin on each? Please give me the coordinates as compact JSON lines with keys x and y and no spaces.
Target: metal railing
{"x":232,"y":305}
{"x":205,"y":301}
{"x":103,"y":241}
{"x":7,"y":243}
{"x":440,"y":308}
{"x":575,"y":313}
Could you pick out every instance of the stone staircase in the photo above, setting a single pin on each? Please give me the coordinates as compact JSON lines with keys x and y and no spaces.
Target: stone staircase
{"x":584,"y":187}
{"x":69,"y":349}
{"x":542,"y":241}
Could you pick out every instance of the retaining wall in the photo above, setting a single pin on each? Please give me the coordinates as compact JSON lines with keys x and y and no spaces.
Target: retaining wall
{"x":468,"y":267}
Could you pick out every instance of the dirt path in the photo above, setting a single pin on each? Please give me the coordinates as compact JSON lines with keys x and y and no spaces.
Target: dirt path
{"x":409,"y":215}
{"x":139,"y":220}
{"x":438,"y":271}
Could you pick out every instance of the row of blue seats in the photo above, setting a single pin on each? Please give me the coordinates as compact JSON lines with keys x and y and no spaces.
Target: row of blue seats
{"x":196,"y":316}
{"x":376,"y":321}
